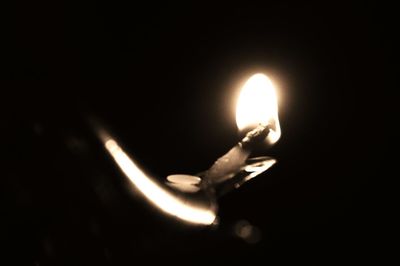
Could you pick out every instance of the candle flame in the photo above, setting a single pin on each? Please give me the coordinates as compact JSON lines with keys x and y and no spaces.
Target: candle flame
{"x":258,"y":104}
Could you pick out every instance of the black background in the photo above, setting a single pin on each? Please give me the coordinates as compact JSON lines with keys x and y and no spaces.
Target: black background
{"x":165,"y":78}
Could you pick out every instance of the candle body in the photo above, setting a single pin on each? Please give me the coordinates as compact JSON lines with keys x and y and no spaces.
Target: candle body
{"x":232,"y":161}
{"x":228,"y":164}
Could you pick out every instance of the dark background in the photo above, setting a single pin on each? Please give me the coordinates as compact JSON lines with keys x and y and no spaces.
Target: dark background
{"x":165,"y":78}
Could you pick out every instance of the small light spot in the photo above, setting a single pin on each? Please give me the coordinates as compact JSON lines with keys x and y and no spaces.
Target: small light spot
{"x":248,"y":232}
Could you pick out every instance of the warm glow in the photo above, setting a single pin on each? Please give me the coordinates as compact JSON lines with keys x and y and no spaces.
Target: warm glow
{"x":258,"y":104}
{"x":155,"y":193}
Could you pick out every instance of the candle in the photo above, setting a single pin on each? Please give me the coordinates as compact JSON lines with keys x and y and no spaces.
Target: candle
{"x":235,"y":158}
{"x":256,"y":112}
{"x":192,"y":198}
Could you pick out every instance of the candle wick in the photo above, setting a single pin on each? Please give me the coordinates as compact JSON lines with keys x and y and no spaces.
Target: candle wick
{"x":255,"y":137}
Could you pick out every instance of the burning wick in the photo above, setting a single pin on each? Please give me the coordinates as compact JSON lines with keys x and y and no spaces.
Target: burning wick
{"x":257,"y":111}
